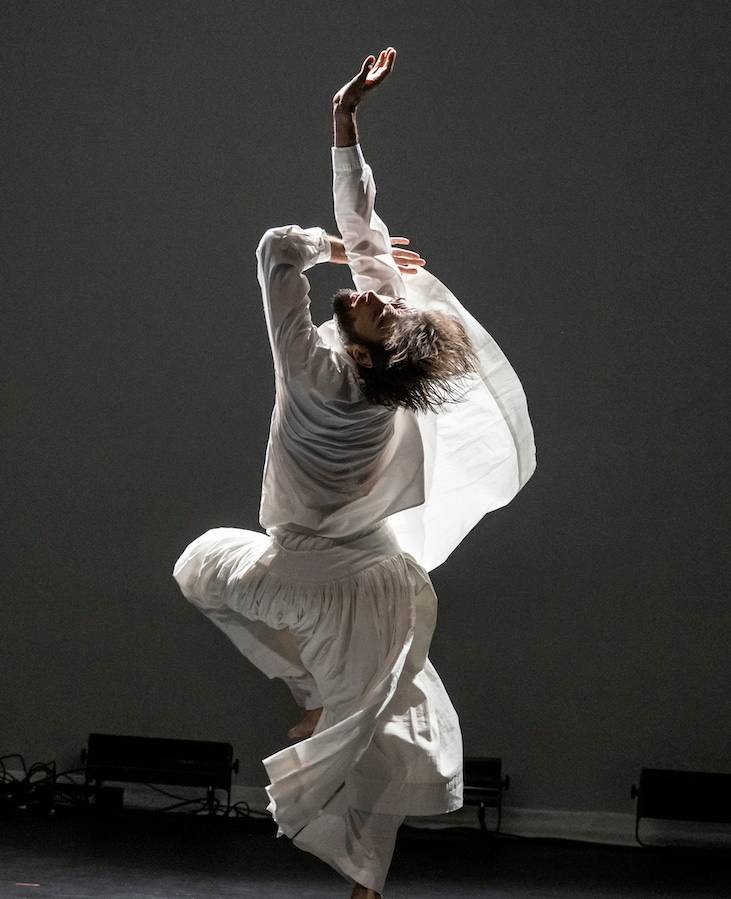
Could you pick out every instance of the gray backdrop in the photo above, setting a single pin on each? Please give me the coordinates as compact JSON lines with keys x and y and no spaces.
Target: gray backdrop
{"x":560,"y":166}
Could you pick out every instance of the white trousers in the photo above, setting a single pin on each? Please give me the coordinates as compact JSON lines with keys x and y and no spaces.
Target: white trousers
{"x":387,"y":743}
{"x":274,"y":652}
{"x":358,"y":844}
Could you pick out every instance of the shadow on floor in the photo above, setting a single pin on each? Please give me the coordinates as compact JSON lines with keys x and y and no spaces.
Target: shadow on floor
{"x":174,"y":856}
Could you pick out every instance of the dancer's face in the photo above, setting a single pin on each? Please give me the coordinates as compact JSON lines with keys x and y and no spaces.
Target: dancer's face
{"x":367,"y":316}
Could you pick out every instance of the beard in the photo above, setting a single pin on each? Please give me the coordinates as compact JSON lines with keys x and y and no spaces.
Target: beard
{"x":341,"y":311}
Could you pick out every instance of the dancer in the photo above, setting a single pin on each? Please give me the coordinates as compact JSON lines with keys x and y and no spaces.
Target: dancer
{"x":397,"y":425}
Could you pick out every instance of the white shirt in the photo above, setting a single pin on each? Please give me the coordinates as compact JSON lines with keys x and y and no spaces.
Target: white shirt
{"x":336,"y":465}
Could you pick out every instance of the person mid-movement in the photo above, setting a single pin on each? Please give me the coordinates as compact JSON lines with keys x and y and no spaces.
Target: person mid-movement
{"x":397,"y":425}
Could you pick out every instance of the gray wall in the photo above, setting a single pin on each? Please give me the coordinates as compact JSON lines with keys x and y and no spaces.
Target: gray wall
{"x":560,"y":166}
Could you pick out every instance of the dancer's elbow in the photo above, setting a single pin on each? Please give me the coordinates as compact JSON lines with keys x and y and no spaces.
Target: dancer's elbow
{"x":267,"y":240}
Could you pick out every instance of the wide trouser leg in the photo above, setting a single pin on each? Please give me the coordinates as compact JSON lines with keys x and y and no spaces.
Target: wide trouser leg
{"x":346,"y":644}
{"x":304,"y":689}
{"x":201,"y":573}
{"x":358,"y":844}
{"x":273,"y":651}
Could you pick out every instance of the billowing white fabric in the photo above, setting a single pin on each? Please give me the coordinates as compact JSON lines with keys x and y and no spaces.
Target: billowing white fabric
{"x":478,"y":453}
{"x":358,"y":844}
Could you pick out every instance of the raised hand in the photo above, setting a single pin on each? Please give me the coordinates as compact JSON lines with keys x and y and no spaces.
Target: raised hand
{"x":371,"y":74}
{"x":408,"y":261}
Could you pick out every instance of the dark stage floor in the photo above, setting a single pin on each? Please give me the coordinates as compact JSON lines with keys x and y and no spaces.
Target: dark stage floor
{"x":166,"y":856}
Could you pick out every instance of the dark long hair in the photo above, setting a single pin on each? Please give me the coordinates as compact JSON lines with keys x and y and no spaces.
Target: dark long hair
{"x":421,"y":363}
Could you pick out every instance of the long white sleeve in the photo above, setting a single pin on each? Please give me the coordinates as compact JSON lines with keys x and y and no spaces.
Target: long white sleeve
{"x":365,"y":235}
{"x":283,"y":255}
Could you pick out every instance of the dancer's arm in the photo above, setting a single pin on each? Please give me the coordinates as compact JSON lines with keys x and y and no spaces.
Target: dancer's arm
{"x":365,"y":235}
{"x":283,"y":255}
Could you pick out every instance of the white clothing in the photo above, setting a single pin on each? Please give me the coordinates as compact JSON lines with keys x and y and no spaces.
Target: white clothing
{"x":358,"y":844}
{"x":334,"y":464}
{"x":356,"y":615}
{"x":359,"y":503}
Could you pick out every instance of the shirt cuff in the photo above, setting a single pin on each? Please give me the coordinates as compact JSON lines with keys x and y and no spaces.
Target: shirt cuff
{"x":347,"y":159}
{"x":321,"y":247}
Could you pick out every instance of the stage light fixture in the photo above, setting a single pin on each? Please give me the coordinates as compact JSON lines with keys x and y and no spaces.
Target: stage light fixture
{"x":484,"y":785}
{"x":154,"y":760}
{"x":682,"y":796}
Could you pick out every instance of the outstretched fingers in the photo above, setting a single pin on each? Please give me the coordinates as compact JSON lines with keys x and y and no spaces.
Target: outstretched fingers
{"x":383,"y":66}
{"x":407,"y":261}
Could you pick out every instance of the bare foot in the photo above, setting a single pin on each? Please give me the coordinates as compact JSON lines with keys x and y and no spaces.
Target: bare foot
{"x":361,"y":892}
{"x":306,"y":726}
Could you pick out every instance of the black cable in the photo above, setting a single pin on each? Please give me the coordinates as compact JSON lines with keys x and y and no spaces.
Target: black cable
{"x":49,"y":768}
{"x":13,"y":755}
{"x":68,"y":776}
{"x":251,"y":813}
{"x":216,"y":807}
{"x":70,"y":771}
{"x":165,"y":792}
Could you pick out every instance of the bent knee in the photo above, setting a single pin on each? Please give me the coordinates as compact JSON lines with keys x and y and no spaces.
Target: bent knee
{"x":202,"y":572}
{"x":197,"y":570}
